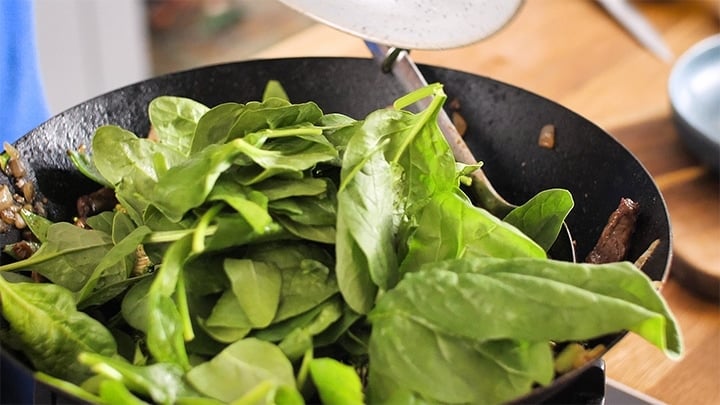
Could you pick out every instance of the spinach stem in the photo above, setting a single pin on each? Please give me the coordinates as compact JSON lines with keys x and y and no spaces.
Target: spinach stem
{"x":183,"y":307}
{"x":429,"y":113}
{"x":172,"y":236}
{"x":198,"y":235}
{"x":277,"y":133}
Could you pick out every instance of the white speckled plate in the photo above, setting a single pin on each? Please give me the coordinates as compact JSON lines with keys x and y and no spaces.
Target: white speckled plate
{"x":412,"y":24}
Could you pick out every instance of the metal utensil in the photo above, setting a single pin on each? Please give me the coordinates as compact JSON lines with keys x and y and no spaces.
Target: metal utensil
{"x":635,"y":23}
{"x":412,"y":24}
{"x":399,"y":62}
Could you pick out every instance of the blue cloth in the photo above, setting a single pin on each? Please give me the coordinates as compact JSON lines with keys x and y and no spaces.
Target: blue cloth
{"x":22,"y":100}
{"x":22,"y":107}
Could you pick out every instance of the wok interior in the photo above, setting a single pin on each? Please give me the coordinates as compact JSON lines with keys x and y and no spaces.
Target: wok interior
{"x":503,"y":126}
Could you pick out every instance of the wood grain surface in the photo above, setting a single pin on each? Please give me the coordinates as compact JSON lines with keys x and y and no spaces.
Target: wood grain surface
{"x":574,"y":53}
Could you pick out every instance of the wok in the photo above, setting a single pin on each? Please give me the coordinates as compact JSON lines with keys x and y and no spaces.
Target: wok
{"x":503,"y":125}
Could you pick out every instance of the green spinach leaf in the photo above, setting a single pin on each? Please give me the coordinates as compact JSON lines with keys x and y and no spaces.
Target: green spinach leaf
{"x":274,"y":88}
{"x":443,"y":367}
{"x":257,"y":287}
{"x":174,"y":120}
{"x":337,"y":383}
{"x":450,"y":227}
{"x":162,"y":382}
{"x":47,"y":327}
{"x":541,"y":218}
{"x":69,"y":255}
{"x":248,"y":363}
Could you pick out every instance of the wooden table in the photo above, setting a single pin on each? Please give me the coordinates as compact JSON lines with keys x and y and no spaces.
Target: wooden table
{"x":572,"y":52}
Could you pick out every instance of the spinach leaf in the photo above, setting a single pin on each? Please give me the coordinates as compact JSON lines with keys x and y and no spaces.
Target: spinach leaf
{"x":541,"y":218}
{"x":273,"y":88}
{"x":288,"y":157}
{"x":521,"y":298}
{"x":278,"y":330}
{"x":115,"y":259}
{"x":120,"y":155}
{"x":83,"y":162}
{"x":315,"y":233}
{"x":38,"y":224}
{"x":273,"y":113}
{"x":306,"y":277}
{"x":162,"y":382}
{"x":419,"y":147}
{"x":229,"y":121}
{"x":279,"y":188}
{"x":214,"y":126}
{"x":299,"y":340}
{"x":131,"y":165}
{"x":250,"y":204}
{"x":304,"y":286}
{"x":69,"y":255}
{"x":620,"y":281}
{"x":47,"y":327}
{"x":450,"y":227}
{"x":247,"y":363}
{"x":338,"y":329}
{"x":158,"y":222}
{"x":337,"y":383}
{"x":366,"y":260}
{"x":122,"y":226}
{"x":112,"y":391}
{"x":110,"y":290}
{"x":228,"y":321}
{"x":103,"y":221}
{"x":188,"y":184}
{"x":307,"y":210}
{"x":174,"y":120}
{"x":257,"y":287}
{"x":443,"y":367}
{"x":134,"y":306}
{"x":166,"y":327}
{"x":234,"y":230}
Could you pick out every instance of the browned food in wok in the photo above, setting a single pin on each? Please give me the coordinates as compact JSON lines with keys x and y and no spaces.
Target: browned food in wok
{"x":612,"y":246}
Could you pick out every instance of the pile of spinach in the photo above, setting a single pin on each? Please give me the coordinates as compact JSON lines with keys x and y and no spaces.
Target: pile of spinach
{"x":301,"y":256}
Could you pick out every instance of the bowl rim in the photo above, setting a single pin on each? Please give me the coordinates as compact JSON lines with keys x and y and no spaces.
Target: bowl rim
{"x":675,"y":81}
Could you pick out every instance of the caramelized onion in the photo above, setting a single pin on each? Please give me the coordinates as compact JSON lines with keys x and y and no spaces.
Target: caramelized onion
{"x":6,"y":197}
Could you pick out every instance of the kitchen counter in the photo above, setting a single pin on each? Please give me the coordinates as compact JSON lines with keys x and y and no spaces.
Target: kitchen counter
{"x":574,"y":53}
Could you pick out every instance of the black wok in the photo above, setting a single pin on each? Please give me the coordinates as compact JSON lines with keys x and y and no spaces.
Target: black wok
{"x":503,"y":126}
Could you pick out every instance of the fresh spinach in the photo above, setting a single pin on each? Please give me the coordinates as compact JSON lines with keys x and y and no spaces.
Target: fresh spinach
{"x":494,"y":301}
{"x":46,"y":326}
{"x":541,"y":218}
{"x":248,"y":363}
{"x":256,"y":287}
{"x":337,"y":383}
{"x":174,"y":120}
{"x":162,"y":382}
{"x":276,"y":233}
